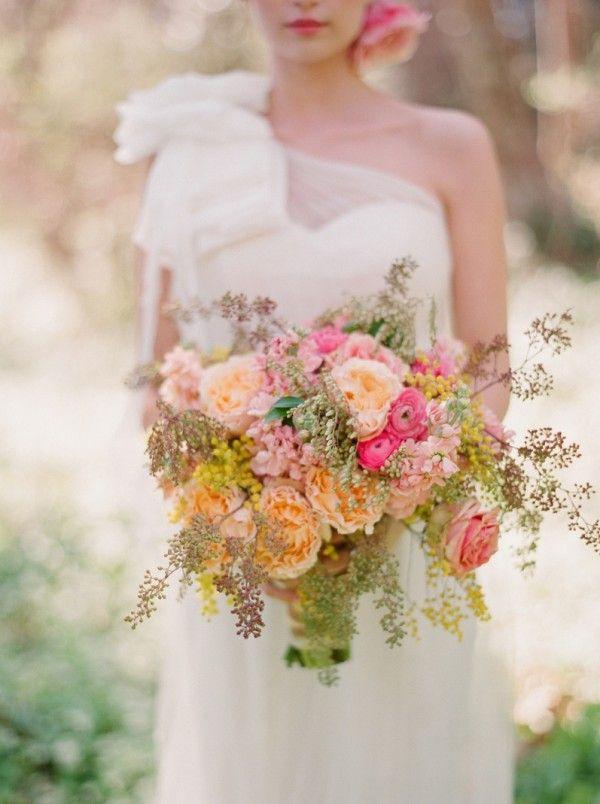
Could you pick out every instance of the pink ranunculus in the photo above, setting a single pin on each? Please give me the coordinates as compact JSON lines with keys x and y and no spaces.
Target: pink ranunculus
{"x":470,"y":537}
{"x":374,"y":452}
{"x":408,"y":415}
{"x":390,"y":34}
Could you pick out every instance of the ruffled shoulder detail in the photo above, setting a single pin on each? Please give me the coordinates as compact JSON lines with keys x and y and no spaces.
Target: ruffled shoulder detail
{"x":191,"y":105}
{"x":219,"y":174}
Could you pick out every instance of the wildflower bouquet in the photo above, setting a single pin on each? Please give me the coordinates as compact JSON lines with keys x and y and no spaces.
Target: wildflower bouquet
{"x":299,"y":455}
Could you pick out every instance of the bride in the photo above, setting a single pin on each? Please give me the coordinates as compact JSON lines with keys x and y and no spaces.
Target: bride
{"x":304,"y":185}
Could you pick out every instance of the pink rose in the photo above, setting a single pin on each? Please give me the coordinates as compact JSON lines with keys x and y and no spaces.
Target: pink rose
{"x":390,"y":33}
{"x":328,"y":338}
{"x":408,"y":415}
{"x":470,"y":536}
{"x":359,"y":344}
{"x":374,"y":452}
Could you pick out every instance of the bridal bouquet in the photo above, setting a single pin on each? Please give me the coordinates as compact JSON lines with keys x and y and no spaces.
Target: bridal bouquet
{"x":299,"y":455}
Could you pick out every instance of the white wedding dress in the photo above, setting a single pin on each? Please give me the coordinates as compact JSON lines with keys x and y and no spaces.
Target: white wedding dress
{"x":229,"y":207}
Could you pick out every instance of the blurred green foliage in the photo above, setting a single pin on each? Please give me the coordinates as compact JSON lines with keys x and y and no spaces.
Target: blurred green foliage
{"x":75,"y":715}
{"x":565,"y":769}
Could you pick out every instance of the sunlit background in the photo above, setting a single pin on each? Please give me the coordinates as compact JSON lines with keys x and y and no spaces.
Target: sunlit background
{"x":76,"y":686}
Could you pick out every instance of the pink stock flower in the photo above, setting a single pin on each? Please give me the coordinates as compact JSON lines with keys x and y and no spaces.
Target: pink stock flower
{"x":182,"y":370}
{"x":470,"y":536}
{"x":426,"y":464}
{"x":390,"y":34}
{"x":279,"y":451}
{"x":408,"y":415}
{"x":374,"y":452}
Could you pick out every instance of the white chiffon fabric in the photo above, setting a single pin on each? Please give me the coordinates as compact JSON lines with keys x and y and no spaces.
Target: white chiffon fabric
{"x":228,"y":207}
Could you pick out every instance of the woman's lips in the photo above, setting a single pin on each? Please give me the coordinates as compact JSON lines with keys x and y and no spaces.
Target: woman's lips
{"x":306,"y":26}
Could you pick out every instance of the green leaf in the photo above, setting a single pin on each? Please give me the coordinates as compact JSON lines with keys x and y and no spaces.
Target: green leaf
{"x":282,"y":407}
{"x":375,"y":327}
{"x":351,"y":326}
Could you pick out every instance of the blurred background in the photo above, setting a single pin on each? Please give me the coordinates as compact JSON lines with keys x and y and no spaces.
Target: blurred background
{"x":76,"y":686}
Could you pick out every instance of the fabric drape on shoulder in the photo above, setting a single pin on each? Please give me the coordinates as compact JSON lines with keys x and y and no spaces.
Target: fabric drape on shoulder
{"x":218,"y":176}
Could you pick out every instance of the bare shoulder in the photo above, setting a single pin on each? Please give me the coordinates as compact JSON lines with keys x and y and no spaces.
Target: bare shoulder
{"x":457,"y":145}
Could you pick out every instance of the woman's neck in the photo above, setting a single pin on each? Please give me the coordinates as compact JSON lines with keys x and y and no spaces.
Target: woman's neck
{"x":315,"y":97}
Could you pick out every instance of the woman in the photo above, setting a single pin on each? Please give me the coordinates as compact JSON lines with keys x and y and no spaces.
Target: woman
{"x":305,"y":185}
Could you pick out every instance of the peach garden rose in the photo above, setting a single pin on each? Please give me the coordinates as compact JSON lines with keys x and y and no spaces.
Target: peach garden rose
{"x":223,"y":506}
{"x":335,"y":505}
{"x":369,"y":388}
{"x":227,"y":388}
{"x":297,"y":525}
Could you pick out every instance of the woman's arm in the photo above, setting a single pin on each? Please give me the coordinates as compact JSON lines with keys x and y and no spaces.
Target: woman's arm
{"x":476,"y":214}
{"x":166,"y":331}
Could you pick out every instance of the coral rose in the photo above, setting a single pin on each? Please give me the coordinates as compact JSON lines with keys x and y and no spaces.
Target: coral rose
{"x":336,"y":505}
{"x":470,"y":535}
{"x":298,"y":527}
{"x":369,"y":388}
{"x":408,"y":415}
{"x":374,"y":452}
{"x":226,"y":390}
{"x":390,"y":34}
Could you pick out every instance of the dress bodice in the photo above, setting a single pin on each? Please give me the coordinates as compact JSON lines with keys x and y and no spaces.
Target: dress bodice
{"x":227,"y":206}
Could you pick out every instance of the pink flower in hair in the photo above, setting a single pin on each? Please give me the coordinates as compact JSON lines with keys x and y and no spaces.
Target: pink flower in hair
{"x":390,"y":34}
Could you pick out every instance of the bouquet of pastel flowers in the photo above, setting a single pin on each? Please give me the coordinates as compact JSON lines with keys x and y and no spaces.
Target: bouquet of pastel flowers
{"x":298,"y":454}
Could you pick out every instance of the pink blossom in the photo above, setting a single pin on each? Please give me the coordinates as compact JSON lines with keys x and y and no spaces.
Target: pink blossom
{"x":408,"y":415}
{"x":470,"y":536}
{"x":390,"y":34}
{"x":359,"y":344}
{"x":328,"y":338}
{"x":425,"y":464}
{"x":446,"y":357}
{"x":279,"y":451}
{"x":501,"y":436}
{"x":405,"y":497}
{"x":319,"y":343}
{"x":374,"y":452}
{"x":182,"y":370}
